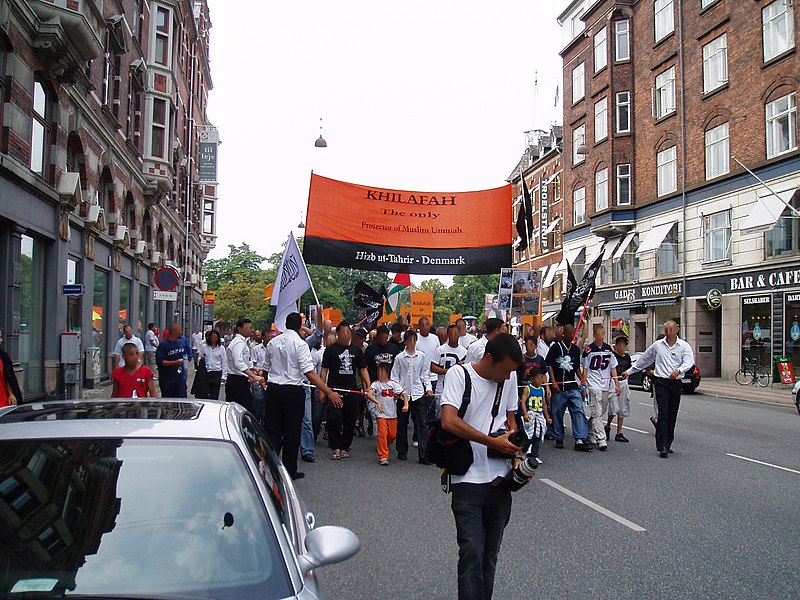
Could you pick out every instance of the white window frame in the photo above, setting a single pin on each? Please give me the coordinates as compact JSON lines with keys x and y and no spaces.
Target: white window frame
{"x":601,"y":50}
{"x":623,"y":106}
{"x":715,"y":63}
{"x":713,"y":224}
{"x":601,"y":189}
{"x":664,"y":94}
{"x":578,"y":82}
{"x":40,"y":129}
{"x":623,"y":174}
{"x":578,"y":139}
{"x":706,"y":3}
{"x":601,"y":119}
{"x":774,"y":16}
{"x":718,"y":152}
{"x":165,"y":35}
{"x":164,"y":127}
{"x":579,"y":199}
{"x":667,"y":171}
{"x":622,"y":40}
{"x":664,"y":18}
{"x":775,"y":116}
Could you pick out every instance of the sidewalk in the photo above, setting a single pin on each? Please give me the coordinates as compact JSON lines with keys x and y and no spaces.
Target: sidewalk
{"x":104,"y":389}
{"x":718,"y":388}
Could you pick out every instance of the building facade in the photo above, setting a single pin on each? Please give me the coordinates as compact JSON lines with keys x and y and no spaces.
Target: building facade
{"x":680,"y":128}
{"x":541,"y":165}
{"x":104,"y":109}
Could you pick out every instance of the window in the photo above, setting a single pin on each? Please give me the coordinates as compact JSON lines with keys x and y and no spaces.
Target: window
{"x":757,"y":329}
{"x":40,"y":129}
{"x":579,"y":206}
{"x":31,"y":326}
{"x":664,"y":101}
{"x":601,"y":120}
{"x":667,"y":171}
{"x":626,"y":267}
{"x":577,"y":83}
{"x":706,"y":3}
{"x":600,"y":50}
{"x":578,"y":140}
{"x":124,"y":307}
{"x":601,"y":190}
{"x":777,"y":23}
{"x":163,"y":48}
{"x":623,"y":185}
{"x":782,"y":125}
{"x":159,"y":131}
{"x":717,"y":236}
{"x":664,"y":18}
{"x":715,"y":63}
{"x":622,"y":32}
{"x":100,"y":319}
{"x":623,"y":112}
{"x":717,"y":151}
{"x":667,"y":255}
{"x":208,"y":217}
{"x":784,"y":238}
{"x":142,"y":317}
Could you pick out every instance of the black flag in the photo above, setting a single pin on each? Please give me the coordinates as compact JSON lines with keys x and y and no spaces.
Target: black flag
{"x":371,"y":301}
{"x":525,"y":217}
{"x":578,"y":293}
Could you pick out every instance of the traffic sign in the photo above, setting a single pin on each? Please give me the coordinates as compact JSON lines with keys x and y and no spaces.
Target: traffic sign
{"x":162,"y":295}
{"x":75,"y":289}
{"x":166,"y":279}
{"x":209,"y":297}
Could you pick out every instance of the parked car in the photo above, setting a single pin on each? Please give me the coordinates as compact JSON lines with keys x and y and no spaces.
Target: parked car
{"x":153,"y":499}
{"x":688,"y":384}
{"x":796,"y":395}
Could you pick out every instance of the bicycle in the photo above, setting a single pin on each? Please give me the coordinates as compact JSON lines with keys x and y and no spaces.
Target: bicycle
{"x":752,"y":373}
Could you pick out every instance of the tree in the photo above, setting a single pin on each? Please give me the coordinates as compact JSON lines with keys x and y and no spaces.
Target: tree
{"x":243,"y":298}
{"x":241,"y":260}
{"x":469,"y":292}
{"x":442,"y":307}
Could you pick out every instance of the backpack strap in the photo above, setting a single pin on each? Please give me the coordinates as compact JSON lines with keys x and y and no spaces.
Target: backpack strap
{"x":467,"y":395}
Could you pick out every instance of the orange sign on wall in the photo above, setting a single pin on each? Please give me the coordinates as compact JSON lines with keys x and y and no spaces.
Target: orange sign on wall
{"x":379,"y":229}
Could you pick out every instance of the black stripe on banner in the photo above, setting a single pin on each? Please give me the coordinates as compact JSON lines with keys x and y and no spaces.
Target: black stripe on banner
{"x":420,"y":261}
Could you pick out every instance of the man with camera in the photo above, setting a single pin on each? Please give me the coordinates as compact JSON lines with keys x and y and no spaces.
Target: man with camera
{"x":482,"y":496}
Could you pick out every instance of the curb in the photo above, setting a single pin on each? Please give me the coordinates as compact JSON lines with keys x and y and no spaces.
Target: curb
{"x":721,"y":396}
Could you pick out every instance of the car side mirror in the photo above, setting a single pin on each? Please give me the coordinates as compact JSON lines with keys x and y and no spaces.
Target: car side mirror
{"x":327,"y":546}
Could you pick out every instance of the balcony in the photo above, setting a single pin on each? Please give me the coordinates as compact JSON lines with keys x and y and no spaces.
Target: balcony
{"x":69,"y":34}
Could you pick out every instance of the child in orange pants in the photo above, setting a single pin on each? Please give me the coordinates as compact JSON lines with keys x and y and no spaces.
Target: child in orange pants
{"x":385,"y":409}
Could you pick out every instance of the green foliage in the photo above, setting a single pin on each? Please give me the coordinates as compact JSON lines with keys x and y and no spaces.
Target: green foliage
{"x":243,"y":297}
{"x":468,"y":293}
{"x":242,"y":263}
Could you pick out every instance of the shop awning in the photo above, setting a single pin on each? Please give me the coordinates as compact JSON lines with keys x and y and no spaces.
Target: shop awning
{"x":624,"y":245}
{"x":619,"y":305}
{"x":551,"y":275}
{"x":766,"y":212}
{"x":552,"y":225}
{"x":662,"y":302}
{"x":611,"y":245}
{"x":654,"y":238}
{"x":570,"y":256}
{"x":548,"y":315}
{"x":593,"y":249}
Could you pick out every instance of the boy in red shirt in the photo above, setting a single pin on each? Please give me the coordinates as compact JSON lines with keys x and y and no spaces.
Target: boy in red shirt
{"x":132,"y":380}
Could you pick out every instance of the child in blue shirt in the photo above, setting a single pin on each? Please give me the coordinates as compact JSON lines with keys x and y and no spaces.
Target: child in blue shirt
{"x":533,"y":403}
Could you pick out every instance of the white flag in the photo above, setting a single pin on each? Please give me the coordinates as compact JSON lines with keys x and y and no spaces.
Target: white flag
{"x":291,"y":283}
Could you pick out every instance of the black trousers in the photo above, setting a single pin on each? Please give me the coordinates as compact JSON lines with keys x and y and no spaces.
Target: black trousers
{"x":284,"y":408}
{"x":173,"y":389}
{"x":237,"y":389}
{"x":416,"y":415}
{"x":341,"y":422}
{"x":668,"y":398}
{"x":482,"y":513}
{"x":213,"y":384}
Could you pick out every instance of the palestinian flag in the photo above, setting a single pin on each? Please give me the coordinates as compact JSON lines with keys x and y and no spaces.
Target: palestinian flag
{"x":400,"y":282}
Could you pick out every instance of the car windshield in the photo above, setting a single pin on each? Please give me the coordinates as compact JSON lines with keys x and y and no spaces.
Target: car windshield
{"x":134,"y":517}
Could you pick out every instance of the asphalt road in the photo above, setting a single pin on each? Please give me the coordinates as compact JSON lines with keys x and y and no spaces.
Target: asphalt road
{"x":715,"y":526}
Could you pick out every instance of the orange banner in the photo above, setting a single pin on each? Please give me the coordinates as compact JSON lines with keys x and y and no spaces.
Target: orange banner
{"x":382,"y":229}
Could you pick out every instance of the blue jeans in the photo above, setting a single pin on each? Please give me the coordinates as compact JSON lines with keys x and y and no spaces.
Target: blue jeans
{"x":307,"y":432}
{"x":569,"y":399}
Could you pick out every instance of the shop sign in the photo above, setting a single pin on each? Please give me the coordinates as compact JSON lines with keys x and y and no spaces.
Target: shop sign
{"x":714,"y":298}
{"x":641,"y":293}
{"x":757,"y":300}
{"x":765,"y":280}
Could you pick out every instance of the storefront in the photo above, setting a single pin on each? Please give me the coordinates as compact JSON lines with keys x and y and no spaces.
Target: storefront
{"x":756,"y":341}
{"x":791,"y":335}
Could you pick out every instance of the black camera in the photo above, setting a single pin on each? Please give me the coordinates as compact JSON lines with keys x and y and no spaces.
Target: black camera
{"x":519,"y":477}
{"x":518,"y":438}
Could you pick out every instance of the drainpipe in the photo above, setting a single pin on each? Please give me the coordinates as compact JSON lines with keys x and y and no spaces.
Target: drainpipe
{"x":684,"y":302}
{"x":186,"y":296}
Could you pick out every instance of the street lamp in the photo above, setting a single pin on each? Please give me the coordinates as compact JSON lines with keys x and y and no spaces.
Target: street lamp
{"x":320,"y":143}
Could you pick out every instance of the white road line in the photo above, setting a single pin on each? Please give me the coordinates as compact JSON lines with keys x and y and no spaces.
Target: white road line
{"x":761,"y":462}
{"x":637,"y":430}
{"x":645,"y":404}
{"x":593,"y":506}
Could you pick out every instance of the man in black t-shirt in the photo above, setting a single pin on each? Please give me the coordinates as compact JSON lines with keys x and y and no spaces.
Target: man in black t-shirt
{"x":564,"y":363}
{"x":382,"y":350}
{"x":339,"y":365}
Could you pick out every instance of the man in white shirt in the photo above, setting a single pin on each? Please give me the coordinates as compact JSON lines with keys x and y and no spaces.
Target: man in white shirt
{"x":151,"y":345}
{"x":289,"y":363}
{"x":481,"y":509}
{"x":412,"y":371}
{"x":128,"y":338}
{"x":672,"y":357}
{"x":476,"y":349}
{"x":197,"y":341}
{"x":464,"y":337}
{"x":544,"y":341}
{"x":427,"y":343}
{"x":240,"y":367}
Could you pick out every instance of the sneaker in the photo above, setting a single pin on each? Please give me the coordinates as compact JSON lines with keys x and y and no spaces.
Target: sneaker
{"x":360,"y":431}
{"x":309,"y":458}
{"x":620,"y":438}
{"x":603,"y":447}
{"x":581,"y":446}
{"x":298,"y":475}
{"x":384,"y":462}
{"x":539,"y":461}
{"x":415,"y":444}
{"x":560,"y":444}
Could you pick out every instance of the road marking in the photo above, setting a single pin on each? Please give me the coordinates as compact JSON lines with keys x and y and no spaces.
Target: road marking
{"x":594,"y":506}
{"x":645,"y":404}
{"x":766,"y":464}
{"x":637,"y":430}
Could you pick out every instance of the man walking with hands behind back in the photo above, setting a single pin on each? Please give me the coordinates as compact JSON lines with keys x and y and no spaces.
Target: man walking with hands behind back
{"x":673,"y":357}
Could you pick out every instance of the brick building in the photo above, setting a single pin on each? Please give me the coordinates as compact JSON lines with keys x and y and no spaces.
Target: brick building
{"x":662,"y":99}
{"x":104,"y":107}
{"x":541,"y":165}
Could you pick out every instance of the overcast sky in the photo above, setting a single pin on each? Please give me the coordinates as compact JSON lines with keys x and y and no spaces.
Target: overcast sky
{"x":416,"y":95}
